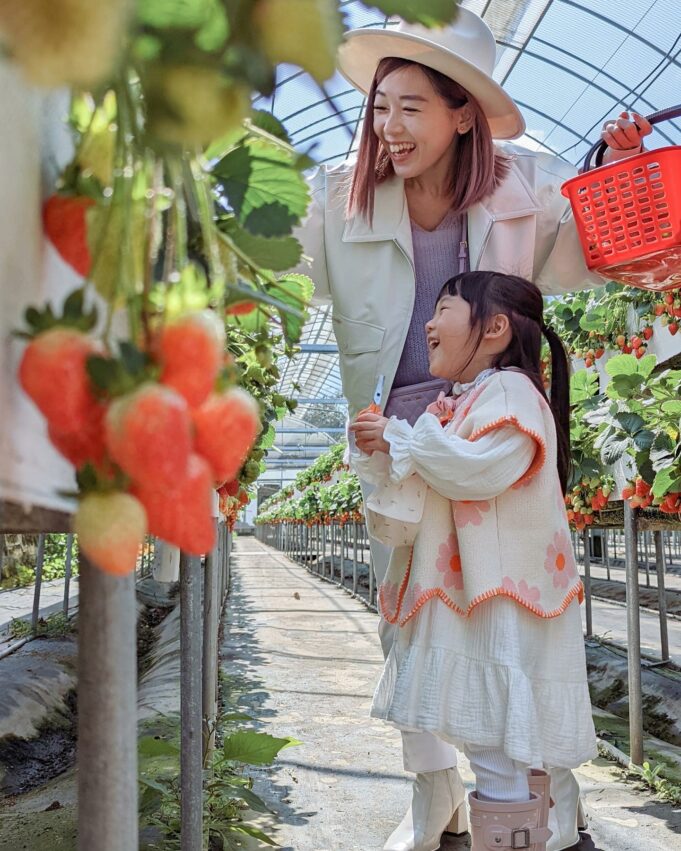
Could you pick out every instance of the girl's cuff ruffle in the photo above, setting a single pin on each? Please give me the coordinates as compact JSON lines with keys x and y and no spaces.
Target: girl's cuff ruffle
{"x":398,"y":434}
{"x":374,"y":469}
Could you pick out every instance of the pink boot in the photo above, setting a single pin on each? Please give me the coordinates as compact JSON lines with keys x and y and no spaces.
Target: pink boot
{"x":498,"y":825}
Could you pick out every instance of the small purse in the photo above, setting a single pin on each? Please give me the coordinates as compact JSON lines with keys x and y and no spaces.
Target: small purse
{"x":409,"y":402}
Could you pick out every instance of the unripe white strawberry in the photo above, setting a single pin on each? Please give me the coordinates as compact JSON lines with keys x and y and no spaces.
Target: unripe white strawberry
{"x":111,"y":529}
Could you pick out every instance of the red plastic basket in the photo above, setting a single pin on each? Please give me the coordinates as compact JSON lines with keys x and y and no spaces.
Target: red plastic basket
{"x":628,"y":216}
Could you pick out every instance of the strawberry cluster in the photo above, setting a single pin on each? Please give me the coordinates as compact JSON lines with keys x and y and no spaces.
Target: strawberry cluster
{"x":635,"y":344}
{"x":586,"y":499}
{"x":669,"y":311}
{"x":232,"y":497}
{"x":151,"y":434}
{"x":639,"y":493}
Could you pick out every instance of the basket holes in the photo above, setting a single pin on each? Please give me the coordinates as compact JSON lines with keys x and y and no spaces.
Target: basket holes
{"x":644,"y":210}
{"x":650,"y":239}
{"x":637,"y":170}
{"x":647,"y":219}
{"x":581,"y":190}
{"x":622,"y":175}
{"x":625,"y":184}
{"x":652,"y":165}
{"x":627,"y":195}
{"x":657,"y":184}
{"x":609,"y":179}
{"x":657,"y":195}
{"x":639,"y":180}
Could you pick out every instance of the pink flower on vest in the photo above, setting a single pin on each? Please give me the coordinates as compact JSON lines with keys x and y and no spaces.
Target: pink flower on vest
{"x":559,"y":560}
{"x":466,"y":511}
{"x":387,"y":598}
{"x":449,"y":563}
{"x":530,"y":594}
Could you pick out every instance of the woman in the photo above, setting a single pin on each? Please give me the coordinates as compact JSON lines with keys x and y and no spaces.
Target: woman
{"x":431,"y":195}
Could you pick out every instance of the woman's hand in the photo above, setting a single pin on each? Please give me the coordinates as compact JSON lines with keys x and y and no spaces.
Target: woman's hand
{"x":624,"y":135}
{"x":368,"y":429}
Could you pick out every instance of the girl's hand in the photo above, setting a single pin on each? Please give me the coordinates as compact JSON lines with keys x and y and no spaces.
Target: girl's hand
{"x":368,"y":430}
{"x":624,"y":135}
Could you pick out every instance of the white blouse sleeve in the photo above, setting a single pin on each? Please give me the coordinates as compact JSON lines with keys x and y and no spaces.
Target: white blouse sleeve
{"x":371,"y":468}
{"x":455,"y":467}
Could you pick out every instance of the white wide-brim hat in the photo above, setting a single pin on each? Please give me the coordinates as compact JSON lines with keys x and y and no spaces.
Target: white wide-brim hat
{"x":464,"y":51}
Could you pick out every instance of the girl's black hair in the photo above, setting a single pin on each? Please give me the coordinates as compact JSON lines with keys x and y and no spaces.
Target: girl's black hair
{"x":489,"y":293}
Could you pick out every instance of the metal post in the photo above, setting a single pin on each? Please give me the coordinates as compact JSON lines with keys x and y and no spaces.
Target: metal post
{"x":587,"y":581}
{"x":191,"y":762}
{"x":661,"y":595}
{"x":67,"y":573}
{"x":606,"y":552}
{"x":646,"y":556}
{"x":38,"y":583}
{"x":342,"y":554}
{"x":323,"y":567}
{"x":633,"y":636}
{"x":211,"y":616}
{"x":354,"y":557}
{"x":316,"y":545}
{"x":107,"y":711}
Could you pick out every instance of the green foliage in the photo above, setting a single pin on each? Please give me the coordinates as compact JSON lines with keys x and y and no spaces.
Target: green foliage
{"x":650,"y":774}
{"x":431,"y":13}
{"x":56,"y":625}
{"x":227,"y":792}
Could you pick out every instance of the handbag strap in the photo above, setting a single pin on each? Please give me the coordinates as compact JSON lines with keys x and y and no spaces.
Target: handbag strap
{"x":599,"y":148}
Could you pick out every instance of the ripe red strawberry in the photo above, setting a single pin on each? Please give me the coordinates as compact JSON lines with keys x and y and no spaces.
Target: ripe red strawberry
{"x":227,"y":426}
{"x":148,"y":434}
{"x":190,"y":351}
{"x":659,"y":309}
{"x":673,"y":327}
{"x":648,"y":332}
{"x":84,"y":446}
{"x":229,"y":488}
{"x":66,"y":227}
{"x":628,"y":492}
{"x":642,"y":487}
{"x":182,"y":514}
{"x":635,"y":342}
{"x":53,"y":374}
{"x":240,"y":308}
{"x":111,"y":529}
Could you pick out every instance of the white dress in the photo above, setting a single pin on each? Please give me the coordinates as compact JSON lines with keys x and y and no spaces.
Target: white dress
{"x":500,"y":677}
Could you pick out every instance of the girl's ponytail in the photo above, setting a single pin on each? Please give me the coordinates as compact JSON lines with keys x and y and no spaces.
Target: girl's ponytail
{"x":559,"y":400}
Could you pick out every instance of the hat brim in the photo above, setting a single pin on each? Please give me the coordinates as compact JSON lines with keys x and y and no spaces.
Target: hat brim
{"x":362,"y":50}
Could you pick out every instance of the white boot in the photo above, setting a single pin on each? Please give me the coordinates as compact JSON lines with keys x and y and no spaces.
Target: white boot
{"x":564,"y":816}
{"x":437,"y":805}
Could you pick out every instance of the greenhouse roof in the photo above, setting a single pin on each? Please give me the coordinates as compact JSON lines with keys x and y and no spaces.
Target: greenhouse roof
{"x":569,"y":64}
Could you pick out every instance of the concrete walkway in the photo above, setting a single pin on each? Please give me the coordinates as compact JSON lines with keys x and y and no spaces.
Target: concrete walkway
{"x":18,"y":603}
{"x":302,"y":657}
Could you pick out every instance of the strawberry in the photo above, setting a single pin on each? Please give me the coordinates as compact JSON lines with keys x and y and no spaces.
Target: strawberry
{"x":240,"y":308}
{"x":659,"y":309}
{"x":66,"y":228}
{"x":182,"y":513}
{"x":53,"y":374}
{"x":111,"y":529}
{"x":642,"y":487}
{"x":628,"y":492}
{"x":669,"y":298}
{"x":588,"y":362}
{"x":648,"y":332}
{"x":229,"y":488}
{"x":635,"y":342}
{"x":190,"y":351}
{"x":621,"y":340}
{"x":148,"y":434}
{"x":84,"y":446}
{"x":673,"y":327}
{"x":227,"y":426}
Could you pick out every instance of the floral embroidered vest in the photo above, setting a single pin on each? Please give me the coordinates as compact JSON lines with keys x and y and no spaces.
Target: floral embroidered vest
{"x":516,"y":545}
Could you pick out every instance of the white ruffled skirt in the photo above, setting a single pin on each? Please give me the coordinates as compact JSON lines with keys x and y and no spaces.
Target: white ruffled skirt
{"x":500,"y":678}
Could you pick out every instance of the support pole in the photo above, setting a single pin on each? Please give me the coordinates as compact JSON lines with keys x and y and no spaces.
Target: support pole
{"x":354,"y":557}
{"x":67,"y":573}
{"x":107,"y":711}
{"x":587,"y":581}
{"x":211,"y":617}
{"x":606,"y":552}
{"x":633,"y":636}
{"x":191,"y":751}
{"x":661,"y":595}
{"x":38,"y":583}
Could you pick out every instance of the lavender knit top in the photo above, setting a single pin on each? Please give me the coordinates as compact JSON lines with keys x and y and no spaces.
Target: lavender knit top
{"x":436,"y":259}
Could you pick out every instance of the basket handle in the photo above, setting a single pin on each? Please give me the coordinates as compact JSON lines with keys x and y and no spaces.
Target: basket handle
{"x":599,"y":148}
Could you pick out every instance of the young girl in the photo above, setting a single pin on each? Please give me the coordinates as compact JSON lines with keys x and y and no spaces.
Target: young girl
{"x":489,"y":654}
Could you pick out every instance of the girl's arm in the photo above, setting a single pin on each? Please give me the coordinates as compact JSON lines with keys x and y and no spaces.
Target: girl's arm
{"x":453,"y":466}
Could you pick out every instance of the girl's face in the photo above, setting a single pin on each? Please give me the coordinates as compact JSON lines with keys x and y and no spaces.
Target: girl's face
{"x":452,"y":341}
{"x":414,"y":124}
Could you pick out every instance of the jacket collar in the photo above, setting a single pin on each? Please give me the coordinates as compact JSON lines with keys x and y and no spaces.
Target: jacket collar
{"x":512,"y":200}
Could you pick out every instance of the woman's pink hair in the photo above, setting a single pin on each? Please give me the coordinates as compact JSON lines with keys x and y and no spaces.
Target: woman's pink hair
{"x":477,"y":167}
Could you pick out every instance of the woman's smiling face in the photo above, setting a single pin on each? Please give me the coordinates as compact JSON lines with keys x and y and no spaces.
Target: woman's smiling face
{"x":414,"y":124}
